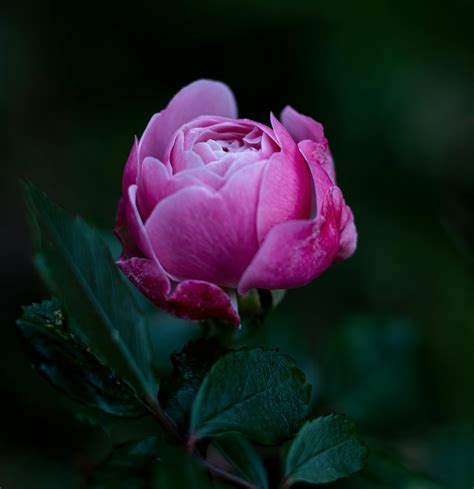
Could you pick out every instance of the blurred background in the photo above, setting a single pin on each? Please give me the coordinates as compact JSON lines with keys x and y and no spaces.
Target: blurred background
{"x":387,"y":337}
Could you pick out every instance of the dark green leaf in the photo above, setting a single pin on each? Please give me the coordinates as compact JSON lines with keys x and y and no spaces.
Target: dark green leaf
{"x":324,"y":450}
{"x":68,"y":365}
{"x":178,"y":391}
{"x":175,"y":469}
{"x":78,"y":266}
{"x":242,"y":456}
{"x":130,"y":466}
{"x":258,"y":393}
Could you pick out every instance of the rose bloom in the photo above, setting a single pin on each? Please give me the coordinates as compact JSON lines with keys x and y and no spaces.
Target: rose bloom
{"x":213,"y":205}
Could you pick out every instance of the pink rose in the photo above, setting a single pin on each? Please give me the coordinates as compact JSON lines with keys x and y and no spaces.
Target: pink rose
{"x":213,"y":205}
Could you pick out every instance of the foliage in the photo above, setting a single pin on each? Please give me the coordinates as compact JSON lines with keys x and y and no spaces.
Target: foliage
{"x":324,"y":450}
{"x":260,"y":394}
{"x":68,"y":364}
{"x":77,"y":265}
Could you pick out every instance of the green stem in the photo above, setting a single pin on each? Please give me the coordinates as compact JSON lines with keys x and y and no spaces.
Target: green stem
{"x":165,"y":422}
{"x":170,"y":429}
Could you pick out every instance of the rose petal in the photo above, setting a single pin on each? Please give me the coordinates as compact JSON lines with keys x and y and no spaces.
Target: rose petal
{"x":348,"y":238}
{"x":156,"y":183}
{"x":296,"y":252}
{"x":130,"y":172}
{"x":202,"y":234}
{"x":286,"y":191}
{"x":135,"y":225}
{"x":316,"y":155}
{"x":129,"y":247}
{"x":320,"y":161}
{"x":203,"y":97}
{"x":302,"y":127}
{"x":130,"y":175}
{"x":192,"y":299}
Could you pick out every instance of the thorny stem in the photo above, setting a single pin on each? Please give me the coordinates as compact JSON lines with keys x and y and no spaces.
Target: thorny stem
{"x":169,"y":427}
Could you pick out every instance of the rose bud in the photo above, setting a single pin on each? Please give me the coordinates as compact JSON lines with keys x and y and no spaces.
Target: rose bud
{"x":213,"y":205}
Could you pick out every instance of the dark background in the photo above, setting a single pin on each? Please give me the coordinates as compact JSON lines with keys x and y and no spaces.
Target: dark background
{"x":387,"y":337}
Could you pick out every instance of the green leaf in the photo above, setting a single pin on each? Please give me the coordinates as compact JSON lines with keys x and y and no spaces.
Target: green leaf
{"x":260,"y":394}
{"x":242,"y":456}
{"x":69,"y":366}
{"x":129,"y":466}
{"x":324,"y":450}
{"x":178,"y":391}
{"x":176,"y":469}
{"x":78,"y":266}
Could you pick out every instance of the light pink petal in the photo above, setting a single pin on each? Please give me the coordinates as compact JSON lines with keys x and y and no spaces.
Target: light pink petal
{"x":205,"y":151}
{"x":242,"y":160}
{"x":269,"y":146}
{"x":203,"y":97}
{"x":254,"y":137}
{"x":130,"y":175}
{"x":156,"y":183}
{"x":316,"y":156}
{"x":203,"y":176}
{"x":192,"y":299}
{"x":296,"y":252}
{"x":135,"y":226}
{"x":285,"y":141}
{"x":181,"y":157}
{"x":348,"y":238}
{"x":286,"y":191}
{"x":302,"y":128}
{"x":202,"y":234}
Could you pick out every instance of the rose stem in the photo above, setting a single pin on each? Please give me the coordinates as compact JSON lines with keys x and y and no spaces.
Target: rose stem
{"x":169,"y":427}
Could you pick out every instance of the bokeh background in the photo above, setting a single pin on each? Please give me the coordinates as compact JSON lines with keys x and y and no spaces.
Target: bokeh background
{"x":387,"y":337}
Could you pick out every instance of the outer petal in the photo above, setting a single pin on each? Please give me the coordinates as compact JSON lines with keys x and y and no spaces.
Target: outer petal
{"x":302,"y":127}
{"x":286,"y":186}
{"x":202,"y":234}
{"x":130,"y":172}
{"x":316,"y":155}
{"x":192,"y":299}
{"x":348,"y":239}
{"x":296,"y":252}
{"x":318,"y":158}
{"x":130,"y":175}
{"x":134,"y":224}
{"x":203,"y":97}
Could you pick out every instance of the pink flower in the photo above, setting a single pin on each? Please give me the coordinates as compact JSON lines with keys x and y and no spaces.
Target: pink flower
{"x":213,"y":204}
